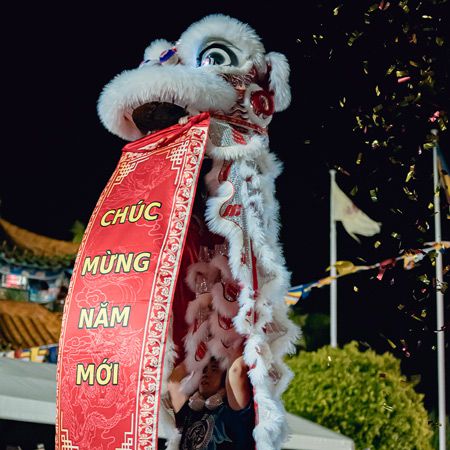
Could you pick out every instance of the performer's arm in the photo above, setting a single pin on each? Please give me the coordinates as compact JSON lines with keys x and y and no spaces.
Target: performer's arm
{"x":177,"y":397}
{"x":238,"y":385}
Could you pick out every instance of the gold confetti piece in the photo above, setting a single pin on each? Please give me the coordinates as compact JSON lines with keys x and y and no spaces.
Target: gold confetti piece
{"x":359,"y":158}
{"x":375,"y":144}
{"x":427,"y":17}
{"x":424,"y":279}
{"x":307,"y":142}
{"x":373,"y":194}
{"x":413,"y":63}
{"x":377,"y":108}
{"x":336,"y":10}
{"x":412,"y":195}
{"x":391,"y":343}
{"x":401,"y":73}
{"x":442,"y":124}
{"x":410,"y":173}
{"x":377,"y":90}
{"x":396,"y":235}
{"x":431,"y":205}
{"x":342,"y":102}
{"x":366,"y":67}
{"x":400,"y":307}
{"x":377,"y":244}
{"x":353,"y":37}
{"x":404,"y":5}
{"x":359,"y":122}
{"x":390,"y":70}
{"x":439,"y":41}
{"x":355,"y":288}
{"x":413,"y":39}
{"x":373,"y":7}
{"x":416,"y":318}
{"x":423,"y":314}
{"x":354,"y":191}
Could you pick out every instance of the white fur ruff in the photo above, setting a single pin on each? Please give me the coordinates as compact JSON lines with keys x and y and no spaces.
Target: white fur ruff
{"x":264,"y":351}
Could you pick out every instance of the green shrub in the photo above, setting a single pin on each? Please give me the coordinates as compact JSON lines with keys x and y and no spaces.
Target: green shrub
{"x":361,"y":395}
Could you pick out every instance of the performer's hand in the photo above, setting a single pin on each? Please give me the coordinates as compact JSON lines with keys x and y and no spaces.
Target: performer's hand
{"x":177,"y":397}
{"x":166,"y":402}
{"x":238,"y":385}
{"x":178,"y":373}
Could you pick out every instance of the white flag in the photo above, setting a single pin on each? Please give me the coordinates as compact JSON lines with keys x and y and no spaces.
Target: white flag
{"x":353,"y":219}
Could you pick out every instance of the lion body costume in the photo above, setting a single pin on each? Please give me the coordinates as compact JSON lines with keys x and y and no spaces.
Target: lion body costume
{"x":232,"y":279}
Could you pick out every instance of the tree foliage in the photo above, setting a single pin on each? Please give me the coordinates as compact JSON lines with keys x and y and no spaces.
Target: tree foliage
{"x":360,"y":394}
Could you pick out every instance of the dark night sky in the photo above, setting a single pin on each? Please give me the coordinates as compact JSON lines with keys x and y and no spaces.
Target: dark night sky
{"x":57,"y":157}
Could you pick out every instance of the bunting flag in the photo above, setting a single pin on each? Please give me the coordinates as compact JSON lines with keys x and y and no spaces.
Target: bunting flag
{"x":118,"y":308}
{"x":343,"y":268}
{"x":353,"y":219}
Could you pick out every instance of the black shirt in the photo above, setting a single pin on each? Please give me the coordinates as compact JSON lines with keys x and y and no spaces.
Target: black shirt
{"x":220,"y":429}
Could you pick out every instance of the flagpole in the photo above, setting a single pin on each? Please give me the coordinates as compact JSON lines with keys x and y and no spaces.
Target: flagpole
{"x":439,"y":301}
{"x":333,"y":255}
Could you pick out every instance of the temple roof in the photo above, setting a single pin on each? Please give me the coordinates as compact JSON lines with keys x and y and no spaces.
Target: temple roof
{"x":24,"y":248}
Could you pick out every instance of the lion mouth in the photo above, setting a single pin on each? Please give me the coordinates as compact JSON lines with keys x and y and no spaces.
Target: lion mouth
{"x":154,"y":116}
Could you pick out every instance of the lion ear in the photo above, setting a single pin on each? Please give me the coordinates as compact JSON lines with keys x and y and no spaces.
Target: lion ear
{"x":278,"y":68}
{"x":154,"y":50}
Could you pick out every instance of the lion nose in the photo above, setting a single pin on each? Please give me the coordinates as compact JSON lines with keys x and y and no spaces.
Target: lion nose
{"x":169,"y":57}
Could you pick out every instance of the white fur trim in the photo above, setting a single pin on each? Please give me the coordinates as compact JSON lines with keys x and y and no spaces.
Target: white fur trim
{"x":173,"y":443}
{"x":250,"y":151}
{"x":173,"y":84}
{"x":192,"y":340}
{"x":220,"y":262}
{"x":190,"y":383}
{"x":279,"y":79}
{"x":210,"y":272}
{"x":166,"y":422}
{"x":200,"y":304}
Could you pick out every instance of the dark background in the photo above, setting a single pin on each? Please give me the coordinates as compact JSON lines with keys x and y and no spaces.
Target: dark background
{"x":57,"y":157}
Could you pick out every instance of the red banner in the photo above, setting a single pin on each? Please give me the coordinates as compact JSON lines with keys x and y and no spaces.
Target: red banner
{"x":118,"y":307}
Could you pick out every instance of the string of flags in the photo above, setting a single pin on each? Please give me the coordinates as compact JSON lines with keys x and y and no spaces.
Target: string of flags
{"x":344,"y":268}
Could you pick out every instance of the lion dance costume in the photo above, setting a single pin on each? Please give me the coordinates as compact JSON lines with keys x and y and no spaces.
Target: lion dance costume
{"x":181,"y":259}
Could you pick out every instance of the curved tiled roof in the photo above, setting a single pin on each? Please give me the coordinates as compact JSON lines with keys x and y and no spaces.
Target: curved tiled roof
{"x":38,"y":244}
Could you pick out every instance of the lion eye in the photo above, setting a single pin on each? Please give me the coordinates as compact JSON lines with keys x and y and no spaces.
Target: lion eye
{"x":217,"y":55}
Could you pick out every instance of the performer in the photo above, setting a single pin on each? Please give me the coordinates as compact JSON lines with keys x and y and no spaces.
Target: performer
{"x":220,"y":414}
